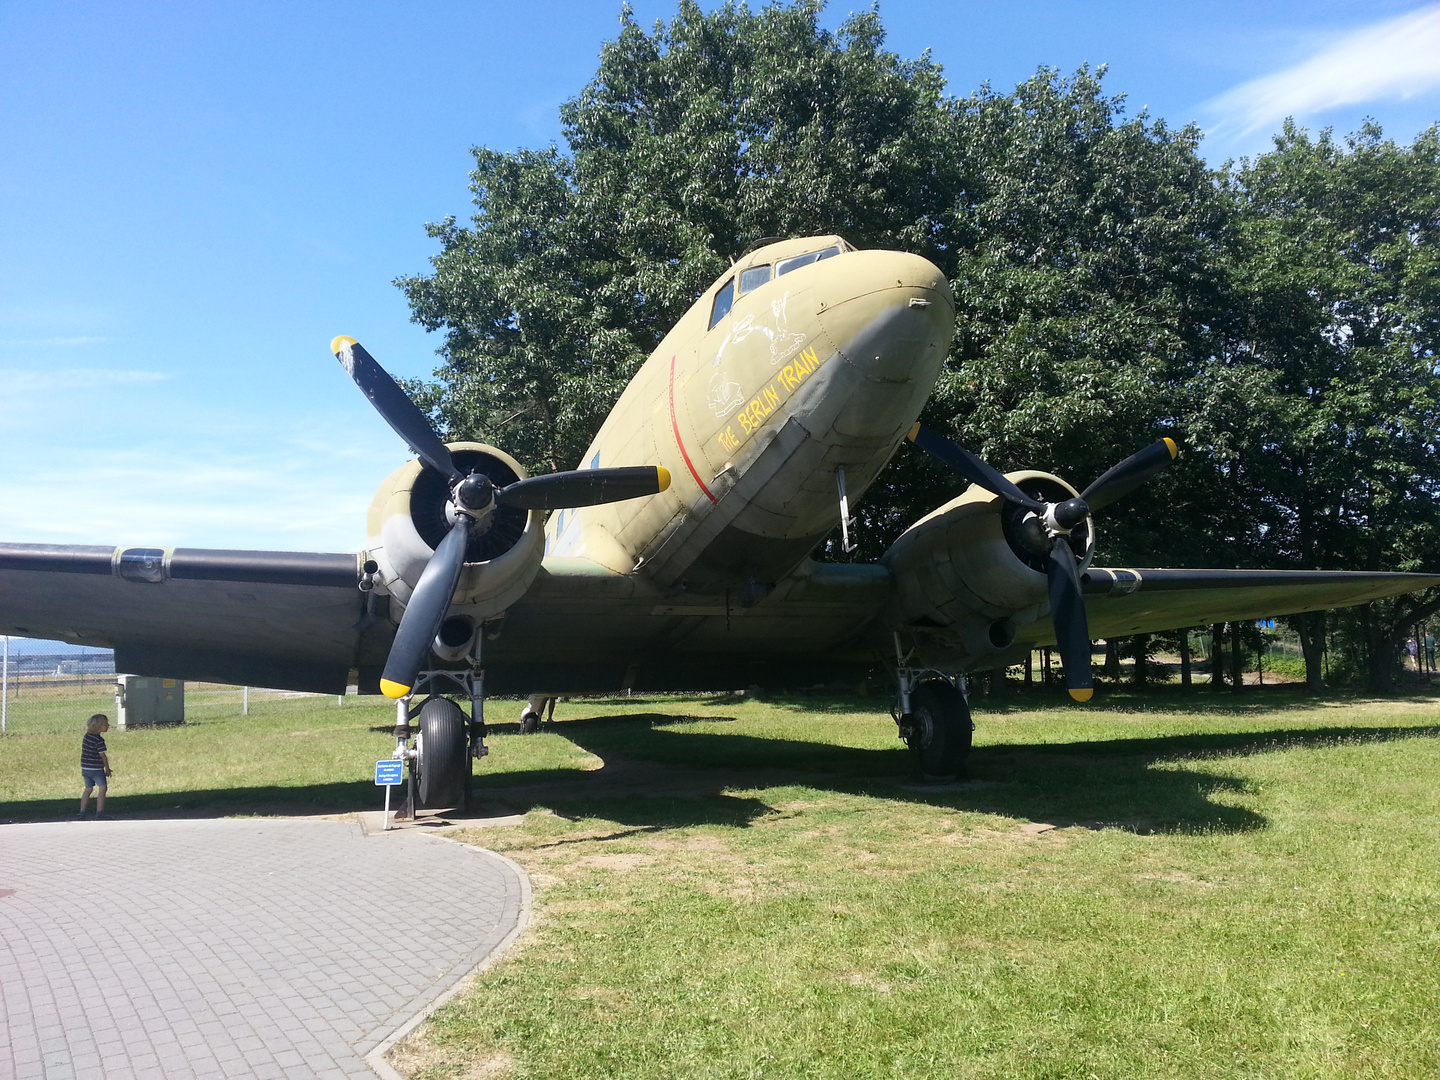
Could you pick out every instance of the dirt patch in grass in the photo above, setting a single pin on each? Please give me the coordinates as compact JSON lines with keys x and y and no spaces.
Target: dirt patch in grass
{"x":620,"y":863}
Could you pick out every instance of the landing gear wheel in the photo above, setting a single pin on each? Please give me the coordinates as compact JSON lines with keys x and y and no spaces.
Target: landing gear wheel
{"x":941,"y":730}
{"x":529,"y":722}
{"x":444,"y":761}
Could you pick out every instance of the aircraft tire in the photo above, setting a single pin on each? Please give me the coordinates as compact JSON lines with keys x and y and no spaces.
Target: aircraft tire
{"x":529,"y":723}
{"x":940,"y":745}
{"x":444,"y":754}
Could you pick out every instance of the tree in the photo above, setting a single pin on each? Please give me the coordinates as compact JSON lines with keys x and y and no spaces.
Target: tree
{"x":1280,"y":316}
{"x":1093,"y":268}
{"x":1082,"y":245}
{"x":690,"y":143}
{"x":1320,"y":408}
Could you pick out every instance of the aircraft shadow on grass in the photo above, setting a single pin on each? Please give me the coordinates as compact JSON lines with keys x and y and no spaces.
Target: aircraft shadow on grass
{"x":657,"y":776}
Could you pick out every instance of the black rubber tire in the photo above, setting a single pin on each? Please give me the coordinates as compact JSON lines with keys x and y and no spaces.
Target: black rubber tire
{"x":444,"y":754}
{"x":940,"y":719}
{"x":529,"y":723}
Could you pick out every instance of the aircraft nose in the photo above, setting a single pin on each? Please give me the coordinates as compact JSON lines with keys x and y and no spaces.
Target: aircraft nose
{"x":892,"y":314}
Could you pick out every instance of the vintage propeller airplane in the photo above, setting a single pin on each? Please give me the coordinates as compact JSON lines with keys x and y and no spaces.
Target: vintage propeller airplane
{"x":679,"y":556}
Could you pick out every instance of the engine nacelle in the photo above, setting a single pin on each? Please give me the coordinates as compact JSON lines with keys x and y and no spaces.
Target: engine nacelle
{"x":971,"y":573}
{"x":408,"y":520}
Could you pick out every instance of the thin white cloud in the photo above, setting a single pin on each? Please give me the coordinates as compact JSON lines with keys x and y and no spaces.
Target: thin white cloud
{"x":1393,"y":60}
{"x":29,"y":381}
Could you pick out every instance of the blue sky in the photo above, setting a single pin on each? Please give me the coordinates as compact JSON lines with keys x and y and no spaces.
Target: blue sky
{"x":194,"y":198}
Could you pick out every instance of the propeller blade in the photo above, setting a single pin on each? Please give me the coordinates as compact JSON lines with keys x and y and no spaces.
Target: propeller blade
{"x":962,"y":461}
{"x":425,"y":612}
{"x":584,"y":487}
{"x":1067,"y":612}
{"x":1125,"y":477}
{"x":394,"y":405}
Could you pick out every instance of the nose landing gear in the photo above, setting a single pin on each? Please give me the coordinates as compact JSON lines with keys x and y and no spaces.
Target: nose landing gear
{"x":446,"y":744}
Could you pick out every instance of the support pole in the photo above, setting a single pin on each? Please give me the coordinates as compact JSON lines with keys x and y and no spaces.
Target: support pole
{"x":5,"y":689}
{"x":845,"y":520}
{"x":245,"y":703}
{"x":402,"y":751}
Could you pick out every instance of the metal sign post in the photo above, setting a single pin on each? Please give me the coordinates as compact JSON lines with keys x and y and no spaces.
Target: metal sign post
{"x":388,"y":773}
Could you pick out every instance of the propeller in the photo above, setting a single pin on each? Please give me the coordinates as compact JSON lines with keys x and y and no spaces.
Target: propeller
{"x":473,"y":498}
{"x":1046,"y":527}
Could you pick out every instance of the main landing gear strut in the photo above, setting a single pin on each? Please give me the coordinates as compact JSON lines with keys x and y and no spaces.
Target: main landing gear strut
{"x":447,"y":743}
{"x":932,"y":711}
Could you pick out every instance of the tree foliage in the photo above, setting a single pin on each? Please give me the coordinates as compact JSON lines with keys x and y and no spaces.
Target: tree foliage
{"x":1279,"y":316}
{"x":690,"y":143}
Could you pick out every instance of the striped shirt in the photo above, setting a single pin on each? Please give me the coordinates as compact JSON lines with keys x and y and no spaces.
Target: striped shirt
{"x":91,"y":749}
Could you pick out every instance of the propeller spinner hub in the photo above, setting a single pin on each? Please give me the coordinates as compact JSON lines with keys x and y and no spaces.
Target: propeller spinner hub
{"x":1062,"y":517}
{"x":474,"y":493}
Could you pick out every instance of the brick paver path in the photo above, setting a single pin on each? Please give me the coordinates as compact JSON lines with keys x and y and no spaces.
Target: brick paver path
{"x":256,"y":948}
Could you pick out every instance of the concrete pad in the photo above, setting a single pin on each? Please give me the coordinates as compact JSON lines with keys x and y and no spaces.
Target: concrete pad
{"x":256,"y":947}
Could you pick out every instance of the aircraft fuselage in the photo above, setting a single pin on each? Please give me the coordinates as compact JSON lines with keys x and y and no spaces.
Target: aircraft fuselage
{"x":807,"y":357}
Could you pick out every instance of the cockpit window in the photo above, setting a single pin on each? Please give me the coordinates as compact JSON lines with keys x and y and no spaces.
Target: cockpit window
{"x":724,"y":301}
{"x":786,"y":265}
{"x":754,"y":278}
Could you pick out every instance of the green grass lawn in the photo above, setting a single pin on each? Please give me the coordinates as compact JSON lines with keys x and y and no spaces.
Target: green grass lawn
{"x":1228,"y":891}
{"x":1196,"y":885}
{"x":291,"y":755}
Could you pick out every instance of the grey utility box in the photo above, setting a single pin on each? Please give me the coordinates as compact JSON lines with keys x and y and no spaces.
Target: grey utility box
{"x":144,"y":701}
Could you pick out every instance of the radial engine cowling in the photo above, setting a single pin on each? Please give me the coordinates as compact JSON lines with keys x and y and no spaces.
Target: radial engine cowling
{"x":410,"y":516}
{"x":971,"y":573}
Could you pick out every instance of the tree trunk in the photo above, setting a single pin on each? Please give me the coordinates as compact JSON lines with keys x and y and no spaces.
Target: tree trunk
{"x":1237,"y":660}
{"x":1140,"y":645}
{"x":1029,"y":668}
{"x":1381,"y":647}
{"x":1045,"y":672}
{"x":1112,"y":659}
{"x":1217,"y":656}
{"x":1312,"y":647}
{"x":1185,"y":659}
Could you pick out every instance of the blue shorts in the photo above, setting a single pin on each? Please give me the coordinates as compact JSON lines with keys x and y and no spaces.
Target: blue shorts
{"x":93,"y":777}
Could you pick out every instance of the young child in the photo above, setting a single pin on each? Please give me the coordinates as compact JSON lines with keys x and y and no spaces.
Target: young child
{"x":95,"y":764}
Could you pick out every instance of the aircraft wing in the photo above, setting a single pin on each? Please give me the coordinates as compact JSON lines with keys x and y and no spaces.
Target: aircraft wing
{"x":1138,"y":601}
{"x":291,"y":620}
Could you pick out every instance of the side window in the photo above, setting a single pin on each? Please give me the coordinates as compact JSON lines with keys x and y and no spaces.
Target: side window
{"x":786,"y":265}
{"x":754,"y":278}
{"x":724,"y":301}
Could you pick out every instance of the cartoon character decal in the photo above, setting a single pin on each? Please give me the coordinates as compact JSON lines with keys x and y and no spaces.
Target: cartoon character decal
{"x":724,"y":395}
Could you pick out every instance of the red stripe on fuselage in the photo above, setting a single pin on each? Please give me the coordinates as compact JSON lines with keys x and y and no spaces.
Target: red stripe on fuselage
{"x":675,"y":426}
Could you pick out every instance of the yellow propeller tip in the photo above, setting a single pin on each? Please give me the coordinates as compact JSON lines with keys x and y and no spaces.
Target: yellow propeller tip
{"x":342,"y":342}
{"x":392,"y":689}
{"x":914,"y":430}
{"x":662,"y":477}
{"x":1174,"y":450}
{"x":1083,"y":695}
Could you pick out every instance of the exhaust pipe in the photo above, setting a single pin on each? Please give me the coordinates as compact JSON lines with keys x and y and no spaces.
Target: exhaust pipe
{"x":456,"y":635}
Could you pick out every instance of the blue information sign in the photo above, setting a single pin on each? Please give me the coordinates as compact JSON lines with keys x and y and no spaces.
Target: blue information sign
{"x":389,"y":772}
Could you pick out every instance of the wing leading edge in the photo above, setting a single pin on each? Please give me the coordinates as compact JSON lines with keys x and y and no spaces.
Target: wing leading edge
{"x":1119,"y":602}
{"x":291,"y":620}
